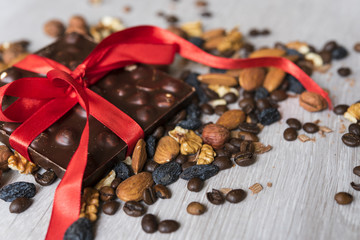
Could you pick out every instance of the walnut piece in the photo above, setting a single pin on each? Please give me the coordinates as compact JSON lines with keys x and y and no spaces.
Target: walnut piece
{"x":89,"y":204}
{"x":18,"y":162}
{"x":353,"y":113}
{"x":190,"y":143}
{"x":256,"y":188}
{"x":206,"y":155}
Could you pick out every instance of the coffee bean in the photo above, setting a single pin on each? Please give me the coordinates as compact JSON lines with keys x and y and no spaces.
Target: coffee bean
{"x":340,"y":109}
{"x":357,"y":47}
{"x":210,"y":93}
{"x":249,"y":127}
{"x":149,"y":223}
{"x":265,"y":32}
{"x":244,"y":159}
{"x":326,"y":56}
{"x":351,"y":140}
{"x":247,"y":105}
{"x":231,"y":148}
{"x":220,"y":109}
{"x":149,"y":196}
{"x":247,"y":146}
{"x":195,"y":208}
{"x":187,"y":165}
{"x":19,"y":205}
{"x":278,"y":95}
{"x":355,"y":186}
{"x":151,"y":165}
{"x":294,"y":123}
{"x":230,"y":97}
{"x":107,"y":193}
{"x":330,"y":46}
{"x":223,"y":162}
{"x":168,"y":226}
{"x":159,"y":132}
{"x":343,"y":198}
{"x":310,"y":127}
{"x":215,"y":197}
{"x":236,"y":142}
{"x":354,"y":128}
{"x":207,"y":109}
{"x":134,"y":209}
{"x":290,"y":134}
{"x":110,"y":207}
{"x":356,"y":170}
{"x":344,"y":71}
{"x":254,"y":32}
{"x":115,"y":183}
{"x":195,"y":184}
{"x":181,"y":159}
{"x":45,"y":179}
{"x":247,"y":136}
{"x":162,"y":191}
{"x":172,"y":19}
{"x":262,"y":104}
{"x":235,"y":196}
{"x":222,"y":152}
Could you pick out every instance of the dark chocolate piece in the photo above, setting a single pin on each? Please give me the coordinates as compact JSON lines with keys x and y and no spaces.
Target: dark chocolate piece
{"x":146,"y":94}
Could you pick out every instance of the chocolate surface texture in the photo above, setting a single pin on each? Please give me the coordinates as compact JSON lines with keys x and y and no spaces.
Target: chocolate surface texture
{"x":146,"y":94}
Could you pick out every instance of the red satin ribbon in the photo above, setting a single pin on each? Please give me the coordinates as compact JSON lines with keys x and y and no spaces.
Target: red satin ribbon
{"x":42,"y":101}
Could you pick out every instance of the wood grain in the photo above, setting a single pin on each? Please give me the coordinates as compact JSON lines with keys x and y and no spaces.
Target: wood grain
{"x":305,"y":176}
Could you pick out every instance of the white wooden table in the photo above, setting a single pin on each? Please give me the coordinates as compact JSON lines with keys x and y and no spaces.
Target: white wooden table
{"x":305,"y":176}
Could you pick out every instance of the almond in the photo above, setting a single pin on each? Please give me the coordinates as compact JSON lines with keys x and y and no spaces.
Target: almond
{"x":132,"y":188}
{"x":215,"y":135}
{"x":213,"y":43}
{"x":217,"y":32}
{"x":273,"y":79}
{"x":167,"y":149}
{"x":139,"y":156}
{"x":231,"y":119}
{"x":234,"y":72}
{"x":268,"y":52}
{"x":218,"y":78}
{"x":251,"y":78}
{"x":312,"y":102}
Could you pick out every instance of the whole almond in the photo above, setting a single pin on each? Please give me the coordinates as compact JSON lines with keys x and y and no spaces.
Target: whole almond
{"x":132,"y":188}
{"x":251,"y":78}
{"x":139,"y":156}
{"x":218,"y":79}
{"x":231,"y":119}
{"x":166,"y":150}
{"x":234,"y":72}
{"x":312,"y":102}
{"x":268,"y":52}
{"x":213,"y":43}
{"x":217,"y":32}
{"x":273,"y":79}
{"x":215,"y":135}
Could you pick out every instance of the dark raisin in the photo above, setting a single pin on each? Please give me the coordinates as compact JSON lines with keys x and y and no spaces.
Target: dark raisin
{"x":197,"y":41}
{"x":167,"y":173}
{"x":150,"y":146}
{"x":193,"y":111}
{"x":200,"y":171}
{"x":269,"y":116}
{"x":339,"y":53}
{"x":81,"y":229}
{"x":294,"y":85}
{"x":16,"y":190}
{"x":192,"y":80}
{"x":293,"y":52}
{"x":122,"y":171}
{"x":217,"y":70}
{"x":261,"y":93}
{"x":191,"y":123}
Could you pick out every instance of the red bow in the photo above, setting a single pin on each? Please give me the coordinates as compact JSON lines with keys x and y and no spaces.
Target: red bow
{"x":42,"y":101}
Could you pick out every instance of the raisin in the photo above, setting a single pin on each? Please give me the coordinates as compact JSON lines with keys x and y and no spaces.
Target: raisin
{"x":339,"y":53}
{"x":261,"y":93}
{"x":192,"y":80}
{"x":167,"y":173}
{"x":200,"y":171}
{"x":150,"y":146}
{"x":16,"y":190}
{"x":293,"y":52}
{"x":294,"y":85}
{"x":122,"y":171}
{"x":81,"y":229}
{"x":217,"y":70}
{"x":199,"y":42}
{"x":269,"y":116}
{"x":191,"y":124}
{"x":193,"y":111}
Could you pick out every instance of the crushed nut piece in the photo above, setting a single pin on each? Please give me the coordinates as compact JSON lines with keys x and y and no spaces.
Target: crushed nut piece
{"x":256,"y":188}
{"x":225,"y":190}
{"x":325,"y":129}
{"x":18,"y":162}
{"x":353,"y":113}
{"x":261,"y":148}
{"x":128,"y":161}
{"x":89,"y":204}
{"x":192,"y":29}
{"x":317,"y":121}
{"x":217,"y":102}
{"x":206,"y":155}
{"x":342,"y":128}
{"x":223,"y":90}
{"x":303,"y":138}
{"x":106,"y":181}
{"x":269,"y":184}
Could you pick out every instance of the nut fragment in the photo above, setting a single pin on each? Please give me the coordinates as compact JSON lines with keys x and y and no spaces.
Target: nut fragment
{"x":192,"y":29}
{"x":261,"y":148}
{"x":223,"y":90}
{"x":251,"y":78}
{"x":315,"y":59}
{"x":256,"y":188}
{"x":190,"y":143}
{"x":231,"y":119}
{"x":139,"y":156}
{"x":106,"y":181}
{"x":353,"y":113}
{"x":89,"y":204}
{"x":18,"y":162}
{"x":232,"y":41}
{"x":206,"y":155}
{"x":167,"y":149}
{"x":273,"y":79}
{"x":132,"y":188}
{"x":218,"y":78}
{"x":215,"y":135}
{"x":312,"y":102}
{"x":303,"y":138}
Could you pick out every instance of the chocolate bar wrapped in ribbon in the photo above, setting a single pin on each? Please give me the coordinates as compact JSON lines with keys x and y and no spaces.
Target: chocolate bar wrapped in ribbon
{"x":96,"y":112}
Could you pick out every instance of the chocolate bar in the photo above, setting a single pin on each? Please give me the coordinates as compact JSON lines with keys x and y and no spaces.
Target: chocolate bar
{"x":146,"y":94}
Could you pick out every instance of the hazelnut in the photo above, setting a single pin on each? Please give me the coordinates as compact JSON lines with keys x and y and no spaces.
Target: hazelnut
{"x":312,"y":102}
{"x":215,"y":135}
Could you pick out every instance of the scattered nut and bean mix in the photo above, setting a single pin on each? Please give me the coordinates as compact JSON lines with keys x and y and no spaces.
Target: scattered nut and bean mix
{"x":186,"y":147}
